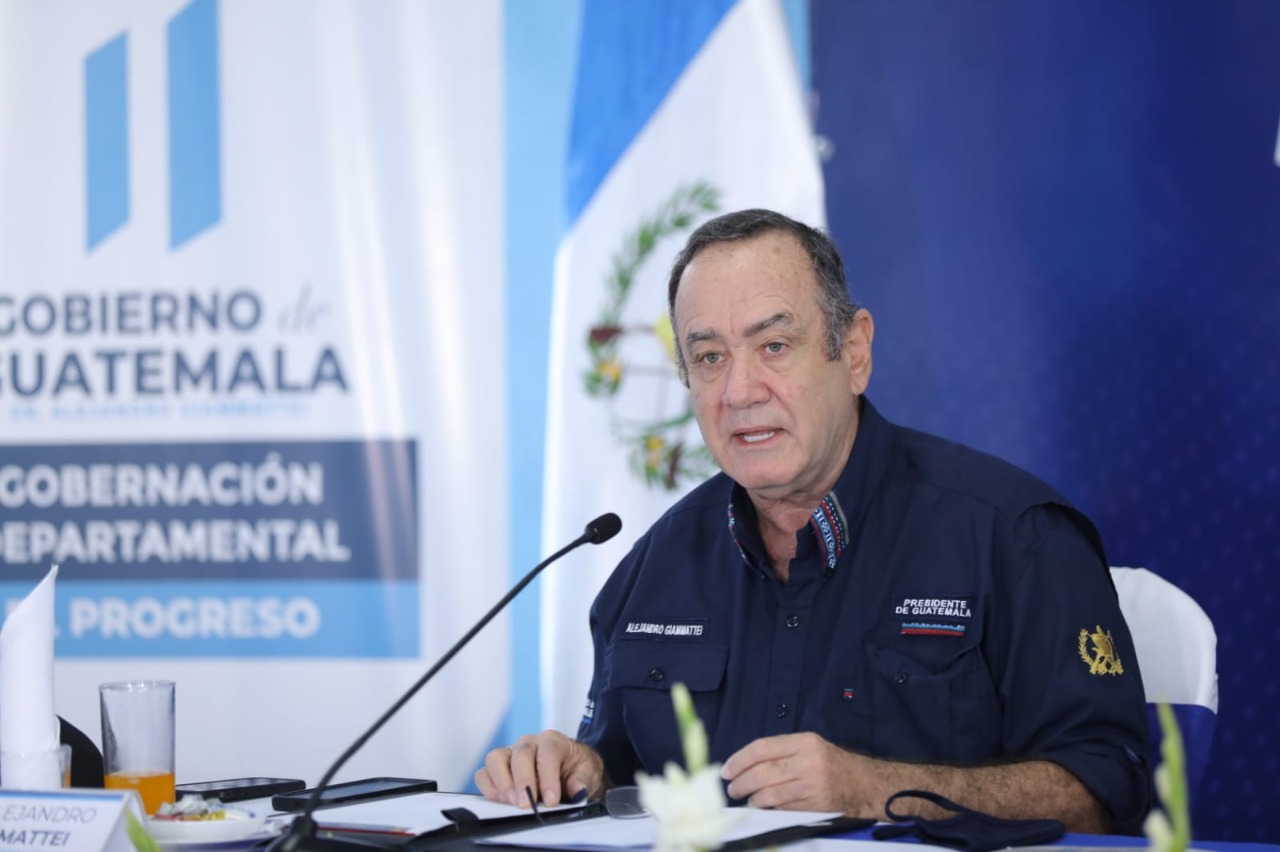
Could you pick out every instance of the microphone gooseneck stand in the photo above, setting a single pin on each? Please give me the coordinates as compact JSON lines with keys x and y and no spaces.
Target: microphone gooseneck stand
{"x":302,"y":835}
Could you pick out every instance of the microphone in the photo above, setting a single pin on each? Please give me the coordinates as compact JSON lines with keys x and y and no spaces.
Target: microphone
{"x":302,"y":836}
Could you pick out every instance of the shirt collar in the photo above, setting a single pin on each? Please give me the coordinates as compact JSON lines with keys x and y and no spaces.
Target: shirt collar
{"x":829,"y":525}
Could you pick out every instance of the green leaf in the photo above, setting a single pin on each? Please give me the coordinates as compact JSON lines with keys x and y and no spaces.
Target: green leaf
{"x":693,"y":737}
{"x":1176,"y":802}
{"x":138,"y":836}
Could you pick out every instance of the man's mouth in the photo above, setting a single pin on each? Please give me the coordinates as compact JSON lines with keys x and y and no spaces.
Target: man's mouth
{"x":756,"y":437}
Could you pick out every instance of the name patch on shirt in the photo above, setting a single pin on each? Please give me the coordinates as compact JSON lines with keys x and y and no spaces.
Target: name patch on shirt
{"x":935,"y":607}
{"x":683,"y":629}
{"x":934,"y":616}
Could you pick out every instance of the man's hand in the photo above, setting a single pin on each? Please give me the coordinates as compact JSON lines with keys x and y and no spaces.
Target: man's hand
{"x":550,"y":764}
{"x":803,"y":772}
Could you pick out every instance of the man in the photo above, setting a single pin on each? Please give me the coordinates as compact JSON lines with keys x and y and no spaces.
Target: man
{"x":857,"y":608}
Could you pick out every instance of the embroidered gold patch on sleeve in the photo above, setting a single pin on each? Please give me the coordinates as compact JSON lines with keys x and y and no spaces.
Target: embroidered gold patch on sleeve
{"x":1102,"y":658}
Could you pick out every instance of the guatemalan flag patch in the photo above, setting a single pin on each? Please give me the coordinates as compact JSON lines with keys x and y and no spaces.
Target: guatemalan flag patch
{"x":917,"y":628}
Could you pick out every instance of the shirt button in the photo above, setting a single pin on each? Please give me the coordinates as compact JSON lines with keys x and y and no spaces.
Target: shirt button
{"x":780,"y":710}
{"x":829,"y":573}
{"x":793,"y":621}
{"x":656,"y":675}
{"x":900,"y":677}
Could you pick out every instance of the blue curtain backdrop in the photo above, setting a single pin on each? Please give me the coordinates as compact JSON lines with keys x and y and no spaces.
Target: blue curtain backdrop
{"x":1065,"y":218}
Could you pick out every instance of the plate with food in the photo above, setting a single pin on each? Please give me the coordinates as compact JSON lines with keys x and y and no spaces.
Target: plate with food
{"x":203,"y":821}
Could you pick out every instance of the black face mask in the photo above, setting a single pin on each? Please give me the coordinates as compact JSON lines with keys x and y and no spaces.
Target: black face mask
{"x":968,"y":829}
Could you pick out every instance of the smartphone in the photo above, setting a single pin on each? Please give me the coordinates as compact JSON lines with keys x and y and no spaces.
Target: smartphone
{"x":354,"y":791}
{"x":240,"y":789}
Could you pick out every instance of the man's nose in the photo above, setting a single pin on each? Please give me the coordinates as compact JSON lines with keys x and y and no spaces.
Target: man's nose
{"x":743,"y":385}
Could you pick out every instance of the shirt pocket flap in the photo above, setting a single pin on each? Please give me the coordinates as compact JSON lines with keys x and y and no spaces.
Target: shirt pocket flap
{"x":917,"y":655}
{"x":659,"y":665}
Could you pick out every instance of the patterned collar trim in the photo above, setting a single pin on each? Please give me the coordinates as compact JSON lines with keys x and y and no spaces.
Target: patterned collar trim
{"x":832,"y":529}
{"x":733,"y":531}
{"x":829,"y":526}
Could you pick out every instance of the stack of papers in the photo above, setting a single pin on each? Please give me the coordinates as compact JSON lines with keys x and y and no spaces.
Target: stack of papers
{"x":423,"y":812}
{"x":607,"y":833}
{"x":416,"y":814}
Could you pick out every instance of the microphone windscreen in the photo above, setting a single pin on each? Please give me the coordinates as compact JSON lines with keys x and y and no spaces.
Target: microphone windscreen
{"x":603,"y":528}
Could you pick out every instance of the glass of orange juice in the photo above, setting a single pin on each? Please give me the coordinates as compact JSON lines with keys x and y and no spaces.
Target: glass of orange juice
{"x":138,"y":738}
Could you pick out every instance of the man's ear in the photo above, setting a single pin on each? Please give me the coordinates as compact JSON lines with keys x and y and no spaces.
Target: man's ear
{"x":857,"y":345}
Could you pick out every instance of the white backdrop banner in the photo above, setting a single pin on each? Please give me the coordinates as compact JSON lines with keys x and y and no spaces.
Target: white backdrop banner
{"x":249,"y":270}
{"x":681,"y":111}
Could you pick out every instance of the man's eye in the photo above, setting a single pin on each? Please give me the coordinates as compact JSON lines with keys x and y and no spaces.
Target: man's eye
{"x":708,"y":358}
{"x":774,"y":347}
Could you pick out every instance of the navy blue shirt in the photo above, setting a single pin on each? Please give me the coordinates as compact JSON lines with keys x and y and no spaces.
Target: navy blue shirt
{"x":943,"y":606}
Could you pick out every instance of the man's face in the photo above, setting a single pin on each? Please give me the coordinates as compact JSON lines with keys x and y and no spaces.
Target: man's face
{"x":777,"y":415}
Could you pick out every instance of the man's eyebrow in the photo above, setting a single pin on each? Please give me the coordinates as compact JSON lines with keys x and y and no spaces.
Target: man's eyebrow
{"x":701,"y":336}
{"x":780,"y":318}
{"x":783,"y":318}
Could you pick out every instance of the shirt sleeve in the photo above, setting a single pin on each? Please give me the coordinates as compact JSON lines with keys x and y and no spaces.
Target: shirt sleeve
{"x":1070,"y":681}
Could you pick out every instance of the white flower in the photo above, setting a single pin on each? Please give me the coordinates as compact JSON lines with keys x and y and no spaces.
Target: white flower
{"x":690,"y":810}
{"x":689,"y":807}
{"x":1158,"y":831}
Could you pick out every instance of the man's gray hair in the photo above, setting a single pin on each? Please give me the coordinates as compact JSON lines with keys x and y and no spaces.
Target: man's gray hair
{"x":828,"y":268}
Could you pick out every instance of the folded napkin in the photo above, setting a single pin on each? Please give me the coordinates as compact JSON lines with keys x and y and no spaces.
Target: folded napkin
{"x":28,"y":723}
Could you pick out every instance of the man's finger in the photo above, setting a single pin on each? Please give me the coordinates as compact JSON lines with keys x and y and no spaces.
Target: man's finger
{"x":551,"y":760}
{"x":765,"y":775}
{"x":494,"y":778}
{"x":583,"y":773}
{"x":524,"y":772}
{"x":759,"y":751}
{"x":484,"y":783}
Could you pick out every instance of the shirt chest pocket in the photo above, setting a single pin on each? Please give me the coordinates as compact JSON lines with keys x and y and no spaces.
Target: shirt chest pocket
{"x":642,"y":674}
{"x":932,"y":700}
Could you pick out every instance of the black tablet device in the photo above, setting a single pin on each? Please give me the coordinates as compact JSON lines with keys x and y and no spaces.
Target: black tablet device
{"x":240,"y":789}
{"x":354,"y":791}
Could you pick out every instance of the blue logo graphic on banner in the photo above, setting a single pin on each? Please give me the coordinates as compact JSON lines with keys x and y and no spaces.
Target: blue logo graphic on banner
{"x":106,"y":140}
{"x":195,"y":168}
{"x":304,"y":548}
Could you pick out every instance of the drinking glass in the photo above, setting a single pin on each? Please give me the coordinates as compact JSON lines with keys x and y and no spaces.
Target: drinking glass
{"x":138,"y":738}
{"x":48,"y":769}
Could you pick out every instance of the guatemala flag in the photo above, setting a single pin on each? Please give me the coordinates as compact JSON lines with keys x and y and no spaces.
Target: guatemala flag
{"x":681,"y":111}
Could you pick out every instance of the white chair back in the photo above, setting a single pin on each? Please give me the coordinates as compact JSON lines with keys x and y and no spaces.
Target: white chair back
{"x":1177,"y":651}
{"x":1176,"y":644}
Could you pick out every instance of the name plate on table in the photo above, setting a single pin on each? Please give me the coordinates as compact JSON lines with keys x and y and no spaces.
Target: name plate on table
{"x":67,"y":820}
